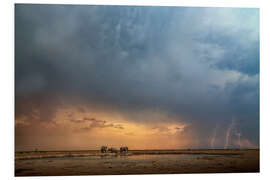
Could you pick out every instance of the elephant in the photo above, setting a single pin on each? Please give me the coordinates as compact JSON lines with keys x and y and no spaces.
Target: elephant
{"x":104,"y":149}
{"x":123,"y":149}
{"x":112,"y":150}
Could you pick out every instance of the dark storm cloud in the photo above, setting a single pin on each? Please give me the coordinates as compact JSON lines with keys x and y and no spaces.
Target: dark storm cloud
{"x":200,"y":64}
{"x":95,"y":123}
{"x":86,"y":119}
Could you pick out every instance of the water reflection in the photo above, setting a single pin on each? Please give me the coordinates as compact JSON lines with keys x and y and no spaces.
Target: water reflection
{"x":119,"y":157}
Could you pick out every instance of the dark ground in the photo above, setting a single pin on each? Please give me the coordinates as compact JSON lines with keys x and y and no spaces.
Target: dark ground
{"x":55,"y":163}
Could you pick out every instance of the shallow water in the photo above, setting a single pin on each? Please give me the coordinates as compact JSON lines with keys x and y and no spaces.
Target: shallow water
{"x":168,"y":156}
{"x":118,"y":157}
{"x":91,"y":164}
{"x":142,"y":157}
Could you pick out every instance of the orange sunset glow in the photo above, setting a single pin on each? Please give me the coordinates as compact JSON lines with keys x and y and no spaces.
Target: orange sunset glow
{"x":83,"y":128}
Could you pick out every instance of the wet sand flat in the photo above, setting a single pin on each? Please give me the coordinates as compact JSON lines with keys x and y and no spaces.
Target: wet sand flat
{"x":135,"y":162}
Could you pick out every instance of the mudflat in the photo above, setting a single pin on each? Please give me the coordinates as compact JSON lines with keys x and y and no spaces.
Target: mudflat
{"x":57,"y":163}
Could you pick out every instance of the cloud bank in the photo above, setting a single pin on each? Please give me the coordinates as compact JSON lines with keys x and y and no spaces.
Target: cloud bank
{"x":196,"y":66}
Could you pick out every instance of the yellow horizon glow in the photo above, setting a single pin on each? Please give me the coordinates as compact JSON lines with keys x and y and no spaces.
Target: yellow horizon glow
{"x":118,"y":130}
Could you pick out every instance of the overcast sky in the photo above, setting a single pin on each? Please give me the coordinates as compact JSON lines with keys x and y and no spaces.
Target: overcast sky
{"x":146,"y":77}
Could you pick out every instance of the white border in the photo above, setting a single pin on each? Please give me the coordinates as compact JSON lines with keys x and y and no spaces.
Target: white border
{"x":209,"y":3}
{"x":7,"y":84}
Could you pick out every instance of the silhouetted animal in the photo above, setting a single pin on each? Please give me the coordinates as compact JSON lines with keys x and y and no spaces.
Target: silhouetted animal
{"x":124,"y":149}
{"x":104,"y":149}
{"x":112,"y":150}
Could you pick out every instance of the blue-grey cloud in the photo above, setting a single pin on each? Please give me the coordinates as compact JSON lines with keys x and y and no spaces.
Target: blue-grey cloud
{"x":201,"y":64}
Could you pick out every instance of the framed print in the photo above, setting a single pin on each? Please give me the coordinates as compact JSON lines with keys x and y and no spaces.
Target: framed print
{"x":117,"y":90}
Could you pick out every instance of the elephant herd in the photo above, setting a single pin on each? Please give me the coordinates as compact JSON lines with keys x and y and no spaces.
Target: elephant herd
{"x":105,"y":149}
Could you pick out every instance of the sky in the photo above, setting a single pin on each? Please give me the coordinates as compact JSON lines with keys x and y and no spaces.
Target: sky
{"x":143,"y":77}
